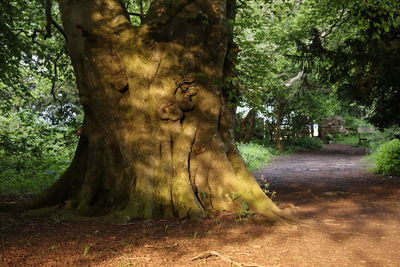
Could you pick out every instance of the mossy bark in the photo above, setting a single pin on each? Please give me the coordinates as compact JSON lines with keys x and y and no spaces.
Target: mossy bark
{"x":157,"y":141}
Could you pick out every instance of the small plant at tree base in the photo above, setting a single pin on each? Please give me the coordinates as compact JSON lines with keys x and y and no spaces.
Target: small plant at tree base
{"x":244,"y":211}
{"x":86,"y":250}
{"x":388,"y":158}
{"x":265,"y":187}
{"x":196,"y":235}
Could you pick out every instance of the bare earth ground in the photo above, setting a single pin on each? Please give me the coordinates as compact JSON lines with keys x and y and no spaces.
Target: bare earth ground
{"x":355,"y":221}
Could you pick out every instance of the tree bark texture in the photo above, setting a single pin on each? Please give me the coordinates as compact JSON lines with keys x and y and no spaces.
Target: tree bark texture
{"x":157,"y":141}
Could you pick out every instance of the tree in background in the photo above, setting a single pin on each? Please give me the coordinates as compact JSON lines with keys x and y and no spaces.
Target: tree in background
{"x":347,"y":50}
{"x":39,"y":106}
{"x":353,"y":46}
{"x":283,"y":90}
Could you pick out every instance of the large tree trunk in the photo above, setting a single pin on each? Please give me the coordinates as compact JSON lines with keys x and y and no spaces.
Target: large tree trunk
{"x":157,"y":141}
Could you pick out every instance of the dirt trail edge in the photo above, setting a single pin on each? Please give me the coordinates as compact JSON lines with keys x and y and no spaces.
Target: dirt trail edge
{"x":357,"y":217}
{"x":358,"y":212}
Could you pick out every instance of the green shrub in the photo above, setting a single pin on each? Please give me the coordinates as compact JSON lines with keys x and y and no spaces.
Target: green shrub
{"x":388,"y":157}
{"x":255,"y":155}
{"x":303,"y":144}
{"x":377,"y":139}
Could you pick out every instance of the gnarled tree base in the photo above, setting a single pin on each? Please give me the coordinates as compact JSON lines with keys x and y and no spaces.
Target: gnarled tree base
{"x":228,"y":186}
{"x":243,"y":197}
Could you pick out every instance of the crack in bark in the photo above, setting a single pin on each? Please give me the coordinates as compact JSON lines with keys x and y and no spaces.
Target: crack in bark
{"x":125,"y":89}
{"x":188,"y":81}
{"x":158,"y":68}
{"x":191,"y":179}
{"x":209,"y":188}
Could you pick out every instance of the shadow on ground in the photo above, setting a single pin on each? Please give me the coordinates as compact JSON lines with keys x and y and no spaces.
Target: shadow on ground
{"x":354,"y":220}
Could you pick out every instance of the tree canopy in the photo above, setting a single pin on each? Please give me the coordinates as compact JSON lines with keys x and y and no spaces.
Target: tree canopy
{"x":354,"y":46}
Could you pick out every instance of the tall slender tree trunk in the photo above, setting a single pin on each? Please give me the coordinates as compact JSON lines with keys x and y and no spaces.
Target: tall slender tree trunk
{"x":278,"y":127}
{"x":157,"y":141}
{"x":248,"y":126}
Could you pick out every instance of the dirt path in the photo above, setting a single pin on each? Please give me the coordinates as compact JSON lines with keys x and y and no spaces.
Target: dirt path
{"x":335,"y":167}
{"x":355,"y":222}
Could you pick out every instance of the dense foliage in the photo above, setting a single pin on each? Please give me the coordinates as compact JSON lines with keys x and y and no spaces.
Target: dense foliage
{"x":288,"y":98}
{"x":283,"y":75}
{"x":39,"y":106}
{"x":33,"y":151}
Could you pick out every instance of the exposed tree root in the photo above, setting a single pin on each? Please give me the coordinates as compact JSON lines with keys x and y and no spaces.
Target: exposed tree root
{"x":42,"y":212}
{"x":67,"y":214}
{"x":210,"y":253}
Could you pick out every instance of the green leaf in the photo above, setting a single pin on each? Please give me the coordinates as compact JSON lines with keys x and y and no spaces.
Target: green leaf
{"x":245,"y":205}
{"x":86,"y":250}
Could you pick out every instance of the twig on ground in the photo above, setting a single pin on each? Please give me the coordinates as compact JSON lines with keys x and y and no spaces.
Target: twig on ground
{"x":167,"y":246}
{"x":147,"y":259}
{"x":210,"y":253}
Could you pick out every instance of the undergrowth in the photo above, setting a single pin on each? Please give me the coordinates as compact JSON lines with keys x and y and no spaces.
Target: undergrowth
{"x":255,"y":155}
{"x":33,"y":155}
{"x":351,"y":139}
{"x":383,"y":148}
{"x":381,"y":137}
{"x":29,"y":175}
{"x":299,"y":144}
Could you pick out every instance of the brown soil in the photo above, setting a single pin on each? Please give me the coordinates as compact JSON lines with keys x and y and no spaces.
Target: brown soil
{"x":353,"y":215}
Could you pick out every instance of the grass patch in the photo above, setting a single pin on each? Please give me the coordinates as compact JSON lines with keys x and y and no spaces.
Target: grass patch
{"x":299,"y":144}
{"x":255,"y":155}
{"x":352,"y":140}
